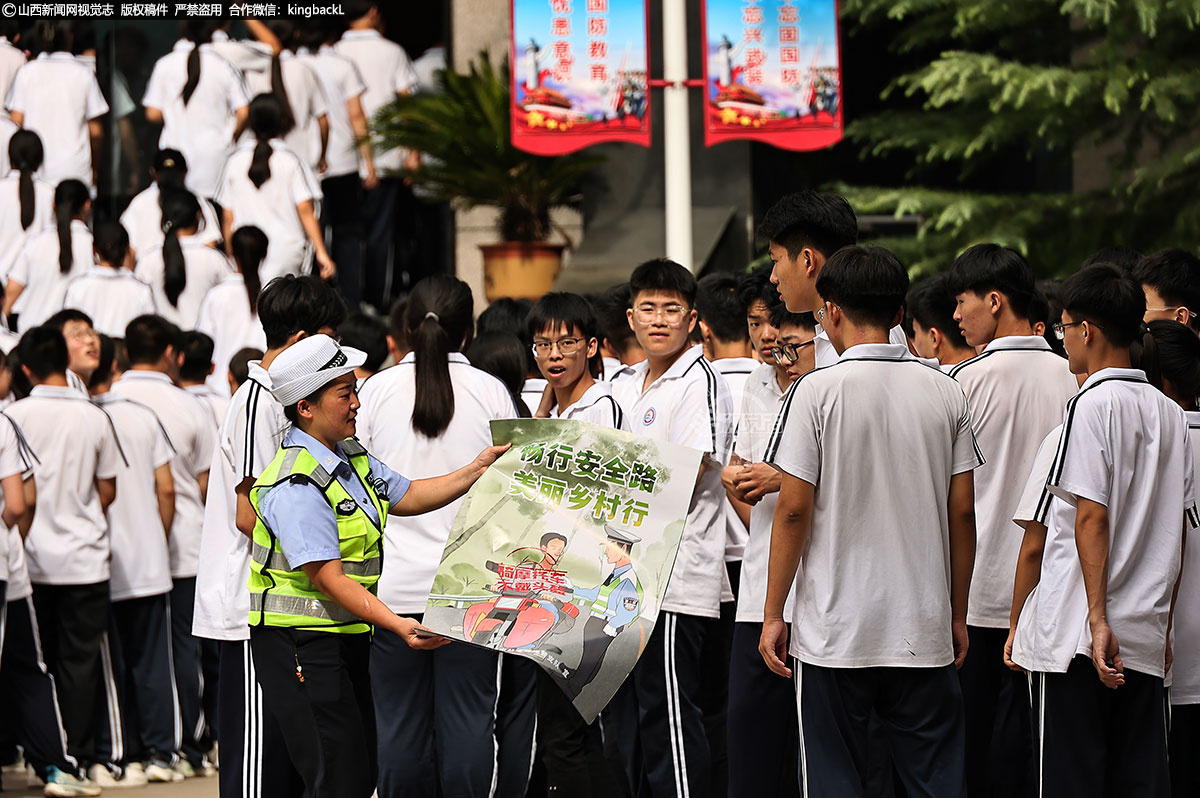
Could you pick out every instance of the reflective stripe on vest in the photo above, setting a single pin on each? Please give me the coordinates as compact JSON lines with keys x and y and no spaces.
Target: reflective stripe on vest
{"x":324,"y":609}
{"x":276,"y":561}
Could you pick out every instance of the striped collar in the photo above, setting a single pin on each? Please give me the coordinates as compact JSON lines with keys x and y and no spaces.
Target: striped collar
{"x":1009,"y":342}
{"x":1127,"y":375}
{"x":677,"y":369}
{"x":877,"y":352}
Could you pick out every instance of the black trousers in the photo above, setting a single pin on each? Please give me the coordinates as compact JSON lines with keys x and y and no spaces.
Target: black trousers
{"x":996,"y":699}
{"x":571,"y":751}
{"x":714,"y":690}
{"x":920,"y":710}
{"x":73,"y":620}
{"x":762,"y":723}
{"x":254,"y":757}
{"x":189,"y":684}
{"x":378,"y":213}
{"x":341,"y":219}
{"x":1097,"y":742}
{"x":1183,"y":744}
{"x":318,"y":687}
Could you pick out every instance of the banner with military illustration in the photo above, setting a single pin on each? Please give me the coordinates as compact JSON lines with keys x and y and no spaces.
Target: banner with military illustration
{"x":579,"y":70}
{"x":772,"y":72}
{"x":562,"y":551}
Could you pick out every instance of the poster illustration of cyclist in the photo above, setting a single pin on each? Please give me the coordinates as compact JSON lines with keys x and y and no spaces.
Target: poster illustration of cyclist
{"x":562,"y":551}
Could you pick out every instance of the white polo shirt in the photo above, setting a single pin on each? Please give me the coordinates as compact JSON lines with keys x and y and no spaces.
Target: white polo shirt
{"x":1017,"y":388}
{"x":68,"y":542}
{"x":140,"y":559}
{"x":761,"y":403}
{"x":203,"y":128}
{"x":307,"y":100}
{"x":689,"y":405}
{"x":11,"y":59}
{"x":387,"y":71}
{"x":142,"y":220}
{"x":205,"y":268}
{"x":1185,"y":673}
{"x":226,"y":318}
{"x":218,"y":404}
{"x":59,"y":116}
{"x":36,"y":268}
{"x":7,"y":128}
{"x":414,"y":545}
{"x":531,"y":393}
{"x":873,"y":588}
{"x":825,"y":355}
{"x":248,"y":440}
{"x":16,"y":575}
{"x":596,"y":406}
{"x":341,"y":82}
{"x":1125,"y":445}
{"x":13,"y":237}
{"x":14,"y":459}
{"x":271,"y":207}
{"x":187,"y":424}
{"x":736,"y":371}
{"x":112,"y":297}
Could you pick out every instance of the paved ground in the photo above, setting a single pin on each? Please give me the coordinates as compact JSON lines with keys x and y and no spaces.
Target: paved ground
{"x":192,"y":788}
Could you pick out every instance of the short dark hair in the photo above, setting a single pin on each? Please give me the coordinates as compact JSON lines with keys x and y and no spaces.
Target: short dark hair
{"x":44,"y":351}
{"x":508,"y":315}
{"x":991,"y":267}
{"x":357,"y":9}
{"x":931,"y":302}
{"x":1124,"y":258}
{"x":1177,"y":351}
{"x":239,"y":364}
{"x":60,"y":319}
{"x":610,"y":313}
{"x":1109,"y":298}
{"x":368,"y":333}
{"x":1048,"y":288}
{"x":1175,"y":275}
{"x":665,"y":275}
{"x":719,"y":307}
{"x":549,"y":536}
{"x":147,"y":338}
{"x":502,"y":355}
{"x":782,"y":317}
{"x":571,"y":311}
{"x":290,"y":304}
{"x":867,"y":283}
{"x":824,"y":222}
{"x":756,"y":286}
{"x":197,"y":351}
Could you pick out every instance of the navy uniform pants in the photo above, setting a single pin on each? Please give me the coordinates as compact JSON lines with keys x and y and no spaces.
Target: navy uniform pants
{"x":999,"y":753}
{"x":762,"y":723}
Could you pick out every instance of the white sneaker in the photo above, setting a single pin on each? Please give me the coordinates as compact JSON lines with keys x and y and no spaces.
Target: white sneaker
{"x":102,"y":776}
{"x":158,"y":770}
{"x":184,"y":770}
{"x":66,"y":785}
{"x":134,"y":776}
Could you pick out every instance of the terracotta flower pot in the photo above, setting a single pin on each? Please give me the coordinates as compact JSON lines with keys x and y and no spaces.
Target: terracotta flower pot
{"x":520,"y":269}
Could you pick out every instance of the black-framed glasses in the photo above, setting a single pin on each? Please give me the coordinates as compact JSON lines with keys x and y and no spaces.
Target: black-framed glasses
{"x":1061,"y":327}
{"x":787,"y":354}
{"x":566,"y":347}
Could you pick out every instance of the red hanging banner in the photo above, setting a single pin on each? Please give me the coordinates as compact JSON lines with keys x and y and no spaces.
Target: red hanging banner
{"x":772,"y":72}
{"x":579,"y":70}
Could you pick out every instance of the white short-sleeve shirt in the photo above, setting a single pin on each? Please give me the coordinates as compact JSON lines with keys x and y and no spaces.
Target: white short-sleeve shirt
{"x":341,"y":82}
{"x":824,"y":353}
{"x":1185,"y":673}
{"x":205,"y":268}
{"x":1017,"y":388}
{"x":188,"y":425}
{"x":249,"y":437}
{"x":225,"y":316}
{"x":307,"y":101}
{"x":140,"y":560}
{"x":37,"y":269}
{"x":1125,"y":445}
{"x":736,"y":371}
{"x":59,"y":116}
{"x":112,"y":297}
{"x":13,"y":237}
{"x":11,"y":59}
{"x":873,"y":588}
{"x":7,"y":128}
{"x":689,"y":405}
{"x":143,"y":221}
{"x":16,"y":575}
{"x":531,"y":393}
{"x":596,"y":406}
{"x":218,"y":404}
{"x":414,"y":545}
{"x":387,"y":71}
{"x":68,"y":543}
{"x":15,"y":458}
{"x":203,"y":128}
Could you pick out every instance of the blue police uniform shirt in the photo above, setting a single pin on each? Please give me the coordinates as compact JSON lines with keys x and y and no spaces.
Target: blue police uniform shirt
{"x":622,"y":602}
{"x":299,"y":514}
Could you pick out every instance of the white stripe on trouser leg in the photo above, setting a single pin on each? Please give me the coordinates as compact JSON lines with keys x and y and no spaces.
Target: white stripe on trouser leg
{"x":116,"y":733}
{"x":1041,"y":734}
{"x":3,"y":620}
{"x":532,"y":747}
{"x":495,"y":736}
{"x":668,"y":618}
{"x":250,"y":733}
{"x":683,"y":774}
{"x":260,"y":736}
{"x":798,"y":673}
{"x":37,"y":648}
{"x":176,"y":711}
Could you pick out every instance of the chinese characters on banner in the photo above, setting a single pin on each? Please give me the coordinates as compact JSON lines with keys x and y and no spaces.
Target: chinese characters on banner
{"x":579,"y":74}
{"x":563,"y":549}
{"x":772,"y":72}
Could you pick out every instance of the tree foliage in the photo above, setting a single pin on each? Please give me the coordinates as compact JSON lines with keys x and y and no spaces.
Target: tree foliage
{"x":1046,"y":80}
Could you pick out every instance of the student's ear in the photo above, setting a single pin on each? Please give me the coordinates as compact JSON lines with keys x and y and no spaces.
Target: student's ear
{"x":299,"y":335}
{"x":935,"y":338}
{"x":28,"y":372}
{"x":898,"y":317}
{"x":705,"y":331}
{"x":1039,"y":328}
{"x":1183,"y":316}
{"x":233,"y":386}
{"x":995,"y":302}
{"x":811,"y":261}
{"x":693,"y":317}
{"x":212,"y":367}
{"x":629,"y":318}
{"x":593,"y":347}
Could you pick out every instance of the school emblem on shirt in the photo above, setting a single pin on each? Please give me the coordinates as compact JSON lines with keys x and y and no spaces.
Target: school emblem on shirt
{"x":648,"y":419}
{"x":346,"y":507}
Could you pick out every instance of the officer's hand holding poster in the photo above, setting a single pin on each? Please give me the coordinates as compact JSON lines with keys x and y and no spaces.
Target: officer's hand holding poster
{"x":562,"y":551}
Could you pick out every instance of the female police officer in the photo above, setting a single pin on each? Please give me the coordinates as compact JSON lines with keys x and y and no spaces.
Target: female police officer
{"x":317,"y":554}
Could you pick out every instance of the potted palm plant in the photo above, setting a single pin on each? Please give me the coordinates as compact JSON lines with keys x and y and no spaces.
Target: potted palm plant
{"x":468,"y":159}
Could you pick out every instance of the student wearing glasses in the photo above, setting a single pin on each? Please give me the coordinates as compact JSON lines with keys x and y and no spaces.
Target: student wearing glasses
{"x":1171,"y":280}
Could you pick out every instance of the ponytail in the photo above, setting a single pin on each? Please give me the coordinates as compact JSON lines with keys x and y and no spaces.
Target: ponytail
{"x":25,"y":153}
{"x":69,"y":199}
{"x":198,"y":32}
{"x":249,"y":249}
{"x":1177,"y":358}
{"x":193,"y":74}
{"x":180,"y":210}
{"x":279,"y":89}
{"x":266,"y":121}
{"x":111,"y":243}
{"x":438,"y":321}
{"x":1144,"y":355}
{"x":260,"y":164}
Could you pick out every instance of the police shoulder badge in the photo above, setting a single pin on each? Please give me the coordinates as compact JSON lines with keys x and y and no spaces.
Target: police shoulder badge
{"x":346,"y":507}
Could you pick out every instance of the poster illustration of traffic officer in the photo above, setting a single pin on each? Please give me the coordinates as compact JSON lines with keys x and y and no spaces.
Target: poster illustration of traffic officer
{"x":562,"y":551}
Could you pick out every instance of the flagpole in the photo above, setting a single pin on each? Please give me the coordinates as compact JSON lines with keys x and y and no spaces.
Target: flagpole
{"x":676,"y":135}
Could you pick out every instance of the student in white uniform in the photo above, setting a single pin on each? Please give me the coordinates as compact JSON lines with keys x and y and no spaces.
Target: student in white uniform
{"x":152,"y":344}
{"x":295,"y":85}
{"x":1017,"y":388}
{"x":762,"y":716}
{"x":8,"y":129}
{"x":1124,"y":462}
{"x":83,"y":346}
{"x":183,"y":271}
{"x":109,"y":292}
{"x":67,"y":118}
{"x":51,"y":259}
{"x":145,"y":715}
{"x":229,"y":313}
{"x":846,"y":522}
{"x":675,"y":395}
{"x":421,"y":417}
{"x":619,"y":347}
{"x":803,"y":230}
{"x":254,"y":760}
{"x":68,"y":544}
{"x":929,"y":317}
{"x":722,"y":324}
{"x":12,"y":57}
{"x":26,"y":201}
{"x":1171,"y":280}
{"x":143,"y":219}
{"x":266,"y":185}
{"x":201,"y":101}
{"x":194,"y":371}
